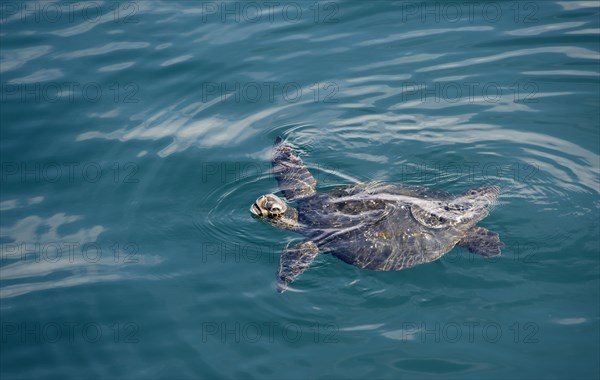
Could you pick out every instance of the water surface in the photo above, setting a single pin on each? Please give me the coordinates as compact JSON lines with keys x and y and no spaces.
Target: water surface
{"x":136,"y":135}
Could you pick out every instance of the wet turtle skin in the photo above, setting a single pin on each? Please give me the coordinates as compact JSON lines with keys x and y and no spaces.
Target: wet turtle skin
{"x":374,"y":233}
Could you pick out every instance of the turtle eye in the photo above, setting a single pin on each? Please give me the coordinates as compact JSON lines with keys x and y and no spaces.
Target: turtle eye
{"x":275,"y":209}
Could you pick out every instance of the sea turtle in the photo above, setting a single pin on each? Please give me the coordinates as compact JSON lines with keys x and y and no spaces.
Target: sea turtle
{"x":375,"y":226}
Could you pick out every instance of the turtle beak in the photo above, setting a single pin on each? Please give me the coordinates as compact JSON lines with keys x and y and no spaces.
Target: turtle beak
{"x":255,"y":210}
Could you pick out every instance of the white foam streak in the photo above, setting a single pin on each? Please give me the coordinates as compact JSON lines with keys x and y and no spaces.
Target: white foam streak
{"x":569,"y":51}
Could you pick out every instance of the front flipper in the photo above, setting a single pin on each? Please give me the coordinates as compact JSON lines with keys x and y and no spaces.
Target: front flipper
{"x":295,"y":181}
{"x":482,"y":242}
{"x":293,"y":262}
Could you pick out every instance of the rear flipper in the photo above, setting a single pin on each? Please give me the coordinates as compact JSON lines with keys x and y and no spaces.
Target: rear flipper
{"x":293,"y":262}
{"x":482,"y":242}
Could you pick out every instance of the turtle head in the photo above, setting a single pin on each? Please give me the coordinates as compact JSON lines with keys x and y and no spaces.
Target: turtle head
{"x":268,"y":205}
{"x":472,"y":205}
{"x":274,"y":210}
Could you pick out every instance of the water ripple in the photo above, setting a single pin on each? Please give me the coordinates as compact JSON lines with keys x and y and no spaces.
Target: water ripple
{"x":423,"y":33}
{"x":537,"y":30}
{"x":413,"y":58}
{"x":43,"y":75}
{"x":115,"y":67}
{"x":176,"y":60}
{"x":585,"y":31}
{"x":576,"y":5}
{"x":569,"y":51}
{"x":105,"y":49}
{"x":211,"y":264}
{"x":15,"y":58}
{"x":563,"y":72}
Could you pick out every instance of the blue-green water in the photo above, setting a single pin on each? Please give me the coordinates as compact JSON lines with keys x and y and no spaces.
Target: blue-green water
{"x":136,"y":135}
